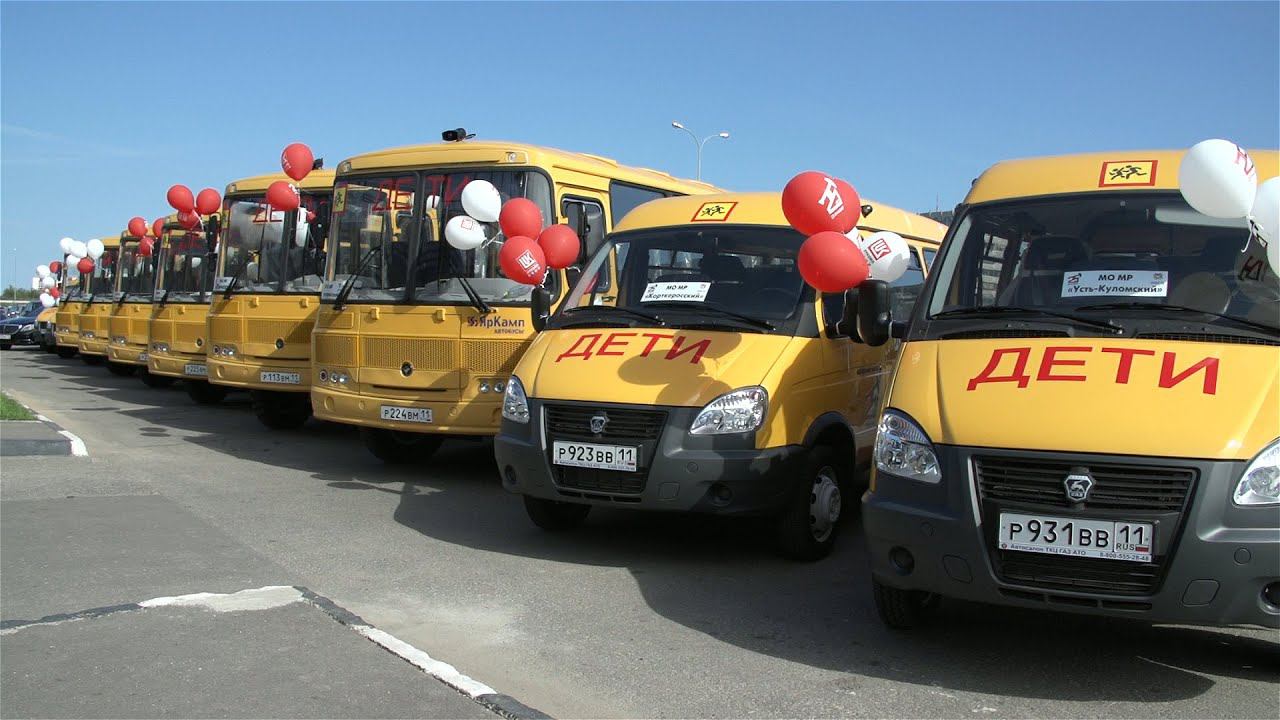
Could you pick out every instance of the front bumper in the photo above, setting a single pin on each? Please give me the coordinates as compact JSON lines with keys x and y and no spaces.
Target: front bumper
{"x":67,"y":338}
{"x":20,"y":337}
{"x":92,"y":346}
{"x":1213,"y":559}
{"x":127,"y":354}
{"x":453,"y":417}
{"x":177,"y":364}
{"x":676,"y":471}
{"x":249,"y":375}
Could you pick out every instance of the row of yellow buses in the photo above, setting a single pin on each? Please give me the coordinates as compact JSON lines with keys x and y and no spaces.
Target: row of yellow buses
{"x":1079,"y":412}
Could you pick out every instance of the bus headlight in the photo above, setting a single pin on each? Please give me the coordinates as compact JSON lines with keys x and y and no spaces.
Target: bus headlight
{"x":902,"y":449}
{"x":515,"y":406}
{"x":1260,"y":484}
{"x":737,"y":411}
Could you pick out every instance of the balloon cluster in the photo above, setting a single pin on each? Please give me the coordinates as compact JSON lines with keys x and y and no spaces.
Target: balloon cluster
{"x":1218,"y":179}
{"x":835,"y":257}
{"x":297,"y":161}
{"x":80,"y":255}
{"x":522,"y":257}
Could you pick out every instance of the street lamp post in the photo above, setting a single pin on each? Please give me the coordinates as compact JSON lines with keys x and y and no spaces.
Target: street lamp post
{"x":699,"y":143}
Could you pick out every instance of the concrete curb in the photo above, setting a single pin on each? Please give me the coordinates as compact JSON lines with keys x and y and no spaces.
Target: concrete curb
{"x":41,"y":436}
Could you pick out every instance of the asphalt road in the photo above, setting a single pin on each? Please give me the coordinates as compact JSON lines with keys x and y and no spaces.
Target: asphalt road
{"x":633,"y":615}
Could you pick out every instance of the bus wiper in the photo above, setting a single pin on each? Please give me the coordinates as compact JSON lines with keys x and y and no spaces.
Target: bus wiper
{"x":702,"y":307}
{"x":235,"y":278}
{"x":1263,"y":327}
{"x":1012,"y":310}
{"x":164,"y":296}
{"x":476,"y":301}
{"x":655,"y":319}
{"x":340,"y":300}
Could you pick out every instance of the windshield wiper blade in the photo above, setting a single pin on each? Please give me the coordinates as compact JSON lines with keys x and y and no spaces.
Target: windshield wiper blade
{"x":164,"y":296}
{"x":476,"y":301}
{"x":235,"y":278}
{"x":985,"y":310}
{"x":656,"y":319}
{"x":700,"y":307}
{"x":1182,"y":309}
{"x":341,"y":298}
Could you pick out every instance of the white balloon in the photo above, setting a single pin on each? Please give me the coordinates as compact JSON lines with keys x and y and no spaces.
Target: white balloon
{"x":47,"y":300}
{"x":42,"y":271}
{"x":433,"y":202}
{"x":464,"y":233}
{"x":887,"y":254}
{"x":95,"y":248}
{"x":48,"y":281}
{"x":79,"y":249}
{"x":70,"y":261}
{"x":481,"y":200}
{"x":195,"y":261}
{"x":1218,"y":179}
{"x":251,"y":270}
{"x":1266,"y":213}
{"x":65,"y":244}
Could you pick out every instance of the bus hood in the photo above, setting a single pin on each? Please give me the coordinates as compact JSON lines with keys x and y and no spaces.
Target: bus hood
{"x":646,"y":366}
{"x":1124,"y":396}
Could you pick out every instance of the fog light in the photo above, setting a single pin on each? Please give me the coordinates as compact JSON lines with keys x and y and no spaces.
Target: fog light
{"x":484,"y":387}
{"x":499,"y":386}
{"x":1271,"y":594}
{"x":902,"y":559}
{"x":324,"y":375}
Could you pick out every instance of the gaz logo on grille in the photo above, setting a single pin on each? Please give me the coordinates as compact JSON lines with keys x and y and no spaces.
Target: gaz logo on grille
{"x":1078,"y":484}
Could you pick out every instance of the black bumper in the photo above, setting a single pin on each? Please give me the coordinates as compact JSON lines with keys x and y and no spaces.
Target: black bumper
{"x":677,"y":472}
{"x":1213,"y":559}
{"x":25,"y":337}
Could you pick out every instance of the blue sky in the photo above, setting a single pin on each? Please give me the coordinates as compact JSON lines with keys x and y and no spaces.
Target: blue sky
{"x":106,"y":105}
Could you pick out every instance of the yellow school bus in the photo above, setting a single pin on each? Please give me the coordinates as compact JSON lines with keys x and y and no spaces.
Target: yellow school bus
{"x":707,"y":378}
{"x":75,"y":297}
{"x":266,"y":294}
{"x":131,"y":315}
{"x":184,"y":280}
{"x":94,"y":322}
{"x":415,"y":339}
{"x":1085,"y":415}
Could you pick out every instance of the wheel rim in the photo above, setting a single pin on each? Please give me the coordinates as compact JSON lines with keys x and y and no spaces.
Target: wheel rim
{"x":824,"y":504}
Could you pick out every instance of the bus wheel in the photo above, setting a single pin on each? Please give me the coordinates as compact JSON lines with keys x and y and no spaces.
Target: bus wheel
{"x":281,"y":411}
{"x":121,"y":369}
{"x":205,"y":392}
{"x":399,"y":448}
{"x":152,"y":380}
{"x":902,"y":609}
{"x":92,"y":359}
{"x":66,"y":352}
{"x":808,"y":526}
{"x":48,"y":347}
{"x":555,"y":516}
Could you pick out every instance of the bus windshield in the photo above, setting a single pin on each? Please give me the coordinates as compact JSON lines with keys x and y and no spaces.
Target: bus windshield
{"x":1137,"y":262}
{"x":388,"y":230}
{"x":733,"y":277}
{"x":185,"y":275}
{"x":254,"y":257}
{"x":137,"y":272}
{"x":102,"y":283}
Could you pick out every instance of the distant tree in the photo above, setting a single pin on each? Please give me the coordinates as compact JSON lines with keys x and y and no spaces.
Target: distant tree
{"x":13,"y":293}
{"x":942,"y":216}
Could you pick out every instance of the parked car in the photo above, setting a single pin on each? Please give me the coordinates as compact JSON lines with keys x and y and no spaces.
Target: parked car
{"x":20,"y":329}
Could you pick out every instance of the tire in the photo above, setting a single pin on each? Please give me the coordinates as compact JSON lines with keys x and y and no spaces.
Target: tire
{"x":48,"y":347}
{"x":399,"y":448}
{"x":152,"y":380}
{"x":281,"y":411}
{"x":66,"y":353}
{"x":205,"y":392}
{"x":92,"y":359}
{"x":6,"y":346}
{"x":121,"y":369}
{"x":555,"y":516}
{"x":807,"y":528}
{"x":902,"y":609}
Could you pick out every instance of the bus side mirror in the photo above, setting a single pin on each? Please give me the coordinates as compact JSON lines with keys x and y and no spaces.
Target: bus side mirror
{"x":572,"y":275}
{"x":540,"y":307}
{"x":874,"y":315}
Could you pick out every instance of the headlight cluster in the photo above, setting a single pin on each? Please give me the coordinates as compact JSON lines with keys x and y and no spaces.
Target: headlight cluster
{"x":902,"y":449}
{"x":334,"y":377}
{"x":738,"y":411}
{"x":160,"y":347}
{"x":515,"y":406}
{"x":28,"y":326}
{"x":120,"y":340}
{"x":492,"y":385}
{"x":224,"y":350}
{"x":87,"y":334}
{"x":1260,"y":484}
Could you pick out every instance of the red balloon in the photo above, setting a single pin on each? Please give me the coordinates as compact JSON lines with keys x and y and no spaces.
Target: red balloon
{"x":157,"y":228}
{"x":520,"y":217}
{"x":311,"y":216}
{"x":296,"y":161}
{"x":181,"y":199}
{"x":137,"y":226}
{"x":815,"y":202}
{"x":55,"y":267}
{"x":190,"y":220}
{"x":85,"y":266}
{"x":208,"y":201}
{"x":146,"y":246}
{"x":55,"y":292}
{"x":283,"y":196}
{"x":561,"y":246}
{"x":522,"y":260}
{"x":830,"y":262}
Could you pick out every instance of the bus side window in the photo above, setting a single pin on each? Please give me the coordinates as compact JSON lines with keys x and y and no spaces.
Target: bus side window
{"x":586,"y":217}
{"x":906,"y":290}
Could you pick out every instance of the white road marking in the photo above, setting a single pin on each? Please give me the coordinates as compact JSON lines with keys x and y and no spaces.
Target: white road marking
{"x":263,"y":598}
{"x":442,"y":671}
{"x":77,"y":445}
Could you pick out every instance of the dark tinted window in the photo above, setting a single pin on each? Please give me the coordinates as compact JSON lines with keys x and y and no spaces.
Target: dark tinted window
{"x":625,"y":198}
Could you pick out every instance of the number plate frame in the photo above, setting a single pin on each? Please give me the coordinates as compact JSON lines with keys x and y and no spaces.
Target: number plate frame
{"x":196,"y":370}
{"x":406,"y":414}
{"x":1023,"y":539}
{"x":5,"y":336}
{"x":280,"y":378}
{"x":621,"y":458}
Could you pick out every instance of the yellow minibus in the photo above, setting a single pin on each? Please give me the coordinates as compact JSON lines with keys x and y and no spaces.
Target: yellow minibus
{"x":95,"y":318}
{"x":179,"y":324}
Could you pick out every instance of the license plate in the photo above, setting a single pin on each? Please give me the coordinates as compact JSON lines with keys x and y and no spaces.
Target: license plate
{"x":1076,"y":537}
{"x":6,"y":336}
{"x":143,"y":357}
{"x":281,"y":378}
{"x":599,"y":457}
{"x":406,"y":414}
{"x":196,"y":369}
